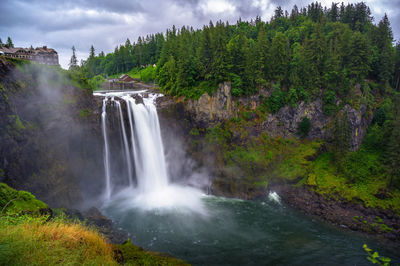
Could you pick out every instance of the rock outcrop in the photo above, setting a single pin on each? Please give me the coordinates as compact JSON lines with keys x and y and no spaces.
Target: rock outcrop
{"x":286,"y":121}
{"x":209,"y":110}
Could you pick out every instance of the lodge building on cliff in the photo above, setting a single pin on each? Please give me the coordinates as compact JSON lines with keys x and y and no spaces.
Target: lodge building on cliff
{"x":41,"y":55}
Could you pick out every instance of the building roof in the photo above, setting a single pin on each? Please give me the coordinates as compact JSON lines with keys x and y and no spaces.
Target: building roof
{"x":125,"y":78}
{"x":38,"y":50}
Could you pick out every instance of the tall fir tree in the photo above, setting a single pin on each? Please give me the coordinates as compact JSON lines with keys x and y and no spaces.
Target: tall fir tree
{"x":279,"y":53}
{"x":92,"y":52}
{"x":359,"y":57}
{"x":73,"y":62}
{"x":9,"y":43}
{"x":393,"y":146}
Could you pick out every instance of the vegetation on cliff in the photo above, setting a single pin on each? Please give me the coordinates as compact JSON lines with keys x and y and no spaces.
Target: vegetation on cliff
{"x":46,"y":130}
{"x":248,"y":160}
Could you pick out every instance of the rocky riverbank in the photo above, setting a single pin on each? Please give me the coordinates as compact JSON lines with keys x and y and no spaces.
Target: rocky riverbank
{"x":385,"y":224}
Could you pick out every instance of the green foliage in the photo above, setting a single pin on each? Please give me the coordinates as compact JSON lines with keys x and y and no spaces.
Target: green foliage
{"x":292,"y":97}
{"x":9,"y":42}
{"x":361,"y":166}
{"x":237,"y":84}
{"x":341,"y":135}
{"x":96,"y":82}
{"x":316,"y":50}
{"x":304,"y":127}
{"x":375,"y":258}
{"x":13,"y":201}
{"x":84,"y":112}
{"x":17,"y":124}
{"x":148,"y":74}
{"x":393,"y":144}
{"x":329,"y":105}
{"x":359,"y":56}
{"x":134,"y":255}
{"x":277,"y":99}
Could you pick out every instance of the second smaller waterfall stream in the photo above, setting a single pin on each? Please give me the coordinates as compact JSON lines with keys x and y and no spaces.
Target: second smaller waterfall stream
{"x":147,"y":183}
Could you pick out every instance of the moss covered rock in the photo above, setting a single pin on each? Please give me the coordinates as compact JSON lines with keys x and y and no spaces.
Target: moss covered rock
{"x":134,"y":255}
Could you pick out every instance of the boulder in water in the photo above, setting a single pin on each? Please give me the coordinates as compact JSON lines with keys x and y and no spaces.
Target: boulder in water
{"x":138,"y":99}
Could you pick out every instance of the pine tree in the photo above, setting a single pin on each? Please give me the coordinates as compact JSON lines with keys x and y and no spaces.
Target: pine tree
{"x":334,"y":12}
{"x":279,"y":52}
{"x":341,"y":136}
{"x":262,"y":57}
{"x":359,"y":56}
{"x":92,"y":52}
{"x":278,"y":12}
{"x":396,"y":79}
{"x":218,"y":44}
{"x":9,"y":43}
{"x":1,"y":43}
{"x":73,"y":62}
{"x":315,"y":53}
{"x":385,"y":63}
{"x":205,"y":54}
{"x":393,"y":146}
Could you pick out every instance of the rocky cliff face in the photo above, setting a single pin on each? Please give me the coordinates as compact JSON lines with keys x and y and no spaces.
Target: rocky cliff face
{"x":285,"y":122}
{"x":50,"y":142}
{"x":208,"y":110}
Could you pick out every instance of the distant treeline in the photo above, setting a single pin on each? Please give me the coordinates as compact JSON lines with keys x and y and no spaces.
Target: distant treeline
{"x":309,"y":51}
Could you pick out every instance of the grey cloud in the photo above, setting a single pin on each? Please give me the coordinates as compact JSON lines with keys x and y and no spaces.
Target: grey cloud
{"x":46,"y":22}
{"x":116,"y":6}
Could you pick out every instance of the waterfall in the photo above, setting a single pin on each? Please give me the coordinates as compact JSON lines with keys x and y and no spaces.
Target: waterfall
{"x":106,"y":150}
{"x":126,"y":145}
{"x":145,"y":144}
{"x":152,"y":173}
{"x":143,"y":155}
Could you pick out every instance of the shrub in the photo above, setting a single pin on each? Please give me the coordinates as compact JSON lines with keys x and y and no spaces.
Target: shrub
{"x":95,"y":82}
{"x":304,"y":127}
{"x":277,"y":99}
{"x":148,"y":74}
{"x":329,"y":106}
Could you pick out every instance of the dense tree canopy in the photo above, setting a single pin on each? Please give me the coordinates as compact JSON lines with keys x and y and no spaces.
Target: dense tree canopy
{"x":311,"y":50}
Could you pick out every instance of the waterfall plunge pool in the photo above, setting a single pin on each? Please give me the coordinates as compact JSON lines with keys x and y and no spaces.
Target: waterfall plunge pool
{"x":238,"y":232}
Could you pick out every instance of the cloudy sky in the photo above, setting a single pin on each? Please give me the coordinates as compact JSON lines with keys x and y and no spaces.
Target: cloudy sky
{"x":61,"y":24}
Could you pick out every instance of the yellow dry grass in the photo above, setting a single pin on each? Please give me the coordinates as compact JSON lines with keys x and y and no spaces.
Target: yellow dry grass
{"x":37,"y":243}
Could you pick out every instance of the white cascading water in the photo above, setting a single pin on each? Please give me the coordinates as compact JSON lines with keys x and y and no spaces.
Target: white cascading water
{"x":152,"y":174}
{"x":106,"y":149}
{"x":126,"y":145}
{"x":153,"y":189}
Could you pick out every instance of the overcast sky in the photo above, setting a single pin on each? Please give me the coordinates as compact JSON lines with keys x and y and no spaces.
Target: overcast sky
{"x":60,"y":24}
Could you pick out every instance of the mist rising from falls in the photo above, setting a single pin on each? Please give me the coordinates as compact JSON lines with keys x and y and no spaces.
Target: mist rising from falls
{"x":144,"y":183}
